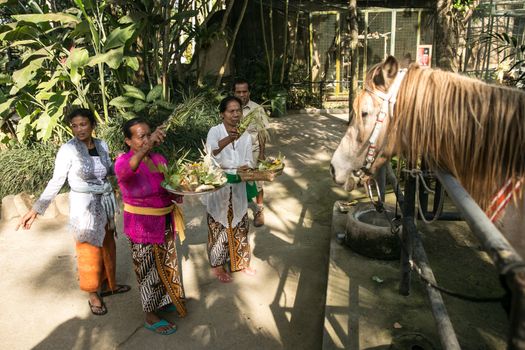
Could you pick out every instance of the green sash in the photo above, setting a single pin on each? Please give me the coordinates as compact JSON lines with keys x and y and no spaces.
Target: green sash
{"x":251,"y":187}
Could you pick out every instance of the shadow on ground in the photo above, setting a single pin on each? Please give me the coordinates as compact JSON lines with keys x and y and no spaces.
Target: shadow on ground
{"x":283,"y":307}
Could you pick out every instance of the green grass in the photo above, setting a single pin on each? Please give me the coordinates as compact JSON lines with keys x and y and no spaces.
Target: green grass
{"x":26,"y":168}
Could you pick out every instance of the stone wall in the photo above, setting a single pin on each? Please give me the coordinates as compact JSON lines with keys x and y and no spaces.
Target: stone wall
{"x":15,"y":206}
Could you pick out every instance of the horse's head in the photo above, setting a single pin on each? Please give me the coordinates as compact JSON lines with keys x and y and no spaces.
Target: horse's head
{"x":350,"y":164}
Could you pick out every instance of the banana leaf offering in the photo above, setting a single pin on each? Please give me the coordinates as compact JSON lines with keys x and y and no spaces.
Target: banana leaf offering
{"x":186,"y":177}
{"x":266,"y":170}
{"x":255,"y":120}
{"x":271,"y":163}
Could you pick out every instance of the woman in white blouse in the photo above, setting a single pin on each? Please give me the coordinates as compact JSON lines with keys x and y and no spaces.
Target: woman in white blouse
{"x":227,"y":208}
{"x":85,"y":162}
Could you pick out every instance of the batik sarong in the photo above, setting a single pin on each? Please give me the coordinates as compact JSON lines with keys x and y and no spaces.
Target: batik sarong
{"x":158,"y":274}
{"x":229,"y":242}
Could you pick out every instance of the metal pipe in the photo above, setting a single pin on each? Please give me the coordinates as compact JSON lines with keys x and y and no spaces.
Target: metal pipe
{"x":446,"y":332}
{"x":490,"y":238}
{"x":508,"y":262}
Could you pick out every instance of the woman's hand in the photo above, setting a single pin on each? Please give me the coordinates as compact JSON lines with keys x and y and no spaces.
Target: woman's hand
{"x":27,"y":220}
{"x":157,"y":137}
{"x":244,"y":167}
{"x":233,"y":134}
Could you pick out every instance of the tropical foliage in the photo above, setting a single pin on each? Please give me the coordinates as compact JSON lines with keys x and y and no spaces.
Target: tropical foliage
{"x":511,"y":70}
{"x":109,"y":56}
{"x":119,"y":58}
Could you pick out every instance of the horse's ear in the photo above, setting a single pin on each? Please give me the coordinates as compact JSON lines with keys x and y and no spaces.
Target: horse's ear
{"x":386,"y":72}
{"x":390,"y":67}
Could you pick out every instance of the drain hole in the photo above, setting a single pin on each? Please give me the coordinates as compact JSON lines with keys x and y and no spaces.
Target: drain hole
{"x":411,"y":341}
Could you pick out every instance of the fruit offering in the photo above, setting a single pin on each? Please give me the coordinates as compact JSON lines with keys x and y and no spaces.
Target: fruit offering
{"x":186,"y":176}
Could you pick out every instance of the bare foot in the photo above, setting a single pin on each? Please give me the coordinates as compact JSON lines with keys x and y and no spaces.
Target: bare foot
{"x":221,"y":274}
{"x":249,"y":271}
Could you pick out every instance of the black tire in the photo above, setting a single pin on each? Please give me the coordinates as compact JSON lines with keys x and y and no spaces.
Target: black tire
{"x":369,"y":233}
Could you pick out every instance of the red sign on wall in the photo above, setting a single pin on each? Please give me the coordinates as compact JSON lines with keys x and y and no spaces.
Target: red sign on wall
{"x":424,"y":55}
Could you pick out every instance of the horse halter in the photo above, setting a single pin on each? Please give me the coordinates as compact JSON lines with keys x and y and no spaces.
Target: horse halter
{"x":387,"y":109}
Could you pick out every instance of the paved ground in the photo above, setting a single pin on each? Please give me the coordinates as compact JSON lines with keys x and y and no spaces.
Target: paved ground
{"x":282,"y":307}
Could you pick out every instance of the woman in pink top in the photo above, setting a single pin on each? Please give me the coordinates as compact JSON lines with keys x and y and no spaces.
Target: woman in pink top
{"x":149,"y":224}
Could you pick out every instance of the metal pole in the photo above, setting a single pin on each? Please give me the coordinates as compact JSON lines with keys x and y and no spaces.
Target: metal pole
{"x":407,"y":235}
{"x":491,"y":239}
{"x":507,"y":261}
{"x":446,"y":332}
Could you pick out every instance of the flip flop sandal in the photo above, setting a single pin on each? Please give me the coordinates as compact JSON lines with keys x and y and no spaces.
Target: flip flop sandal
{"x":98,"y":310}
{"x":162,"y":323}
{"x":121,"y":288}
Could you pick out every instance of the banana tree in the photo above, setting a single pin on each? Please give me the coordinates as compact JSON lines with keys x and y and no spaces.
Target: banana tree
{"x":135,"y":102}
{"x":58,"y":53}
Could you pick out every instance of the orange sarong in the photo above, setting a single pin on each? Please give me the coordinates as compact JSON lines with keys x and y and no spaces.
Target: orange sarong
{"x":97,"y":264}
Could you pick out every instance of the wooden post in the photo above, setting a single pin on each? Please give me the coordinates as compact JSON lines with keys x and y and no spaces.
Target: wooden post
{"x":352,"y":86}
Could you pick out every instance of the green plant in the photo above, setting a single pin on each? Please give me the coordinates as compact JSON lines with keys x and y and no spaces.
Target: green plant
{"x":462,"y":5}
{"x":26,"y":168}
{"x":135,"y":102}
{"x":187,"y":126}
{"x":511,"y":70}
{"x":64,"y":60}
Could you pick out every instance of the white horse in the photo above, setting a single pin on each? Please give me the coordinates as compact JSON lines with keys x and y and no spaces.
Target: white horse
{"x":474,"y":130}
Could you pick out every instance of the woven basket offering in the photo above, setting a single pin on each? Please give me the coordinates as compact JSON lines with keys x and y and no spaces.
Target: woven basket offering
{"x":259,"y":175}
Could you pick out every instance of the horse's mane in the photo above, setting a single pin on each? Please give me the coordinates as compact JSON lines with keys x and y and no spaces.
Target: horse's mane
{"x":470,"y":128}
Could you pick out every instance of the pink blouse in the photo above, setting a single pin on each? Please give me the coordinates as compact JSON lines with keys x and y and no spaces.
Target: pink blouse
{"x":142,"y":188}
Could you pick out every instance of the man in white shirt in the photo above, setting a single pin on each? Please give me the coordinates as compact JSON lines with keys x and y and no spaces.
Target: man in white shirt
{"x":241,"y":90}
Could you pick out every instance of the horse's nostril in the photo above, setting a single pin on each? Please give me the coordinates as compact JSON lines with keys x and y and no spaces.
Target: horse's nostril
{"x":332,"y":171}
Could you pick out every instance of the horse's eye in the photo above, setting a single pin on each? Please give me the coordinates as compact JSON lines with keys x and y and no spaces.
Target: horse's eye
{"x":364,"y":114}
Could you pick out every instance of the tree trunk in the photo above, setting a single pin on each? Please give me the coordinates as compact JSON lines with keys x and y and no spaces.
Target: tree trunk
{"x":354,"y":32}
{"x":285,"y":49}
{"x":226,"y":16}
{"x":272,"y":45}
{"x":293,"y":40}
{"x":231,"y":45}
{"x":195,"y":60}
{"x":165,"y":32}
{"x":451,"y":30}
{"x":265,"y":42}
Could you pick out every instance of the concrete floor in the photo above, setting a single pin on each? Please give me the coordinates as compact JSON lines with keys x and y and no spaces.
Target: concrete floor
{"x":365,"y":311}
{"x":281,"y":308}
